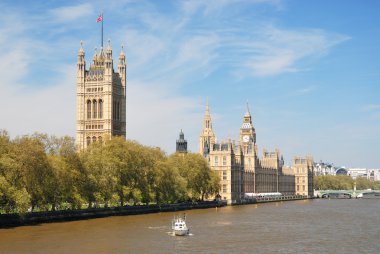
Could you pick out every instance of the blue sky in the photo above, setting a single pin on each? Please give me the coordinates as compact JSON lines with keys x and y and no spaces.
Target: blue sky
{"x":309,"y":70}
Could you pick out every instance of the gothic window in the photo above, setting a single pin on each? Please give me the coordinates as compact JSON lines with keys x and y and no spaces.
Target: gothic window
{"x":114,"y":110}
{"x":93,"y":139}
{"x":100,"y":108}
{"x":117,"y":110}
{"x":88,"y":141}
{"x":95,"y":109}
{"x":88,"y":109}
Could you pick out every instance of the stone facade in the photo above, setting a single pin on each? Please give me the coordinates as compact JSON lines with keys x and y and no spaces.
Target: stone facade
{"x":101,"y":97}
{"x":240,"y":169}
{"x":304,"y":173}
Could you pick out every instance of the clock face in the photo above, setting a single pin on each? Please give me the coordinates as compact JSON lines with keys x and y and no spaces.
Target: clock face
{"x":245,"y":138}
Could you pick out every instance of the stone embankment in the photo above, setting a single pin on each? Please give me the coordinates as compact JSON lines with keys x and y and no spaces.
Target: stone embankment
{"x":30,"y":218}
{"x":258,"y":200}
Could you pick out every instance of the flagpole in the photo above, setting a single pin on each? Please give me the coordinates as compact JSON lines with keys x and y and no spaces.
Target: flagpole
{"x":102,"y":29}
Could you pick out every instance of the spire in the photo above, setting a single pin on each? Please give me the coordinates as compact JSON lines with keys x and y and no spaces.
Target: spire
{"x":248,"y":113}
{"x":109,"y":45}
{"x":95,"y":53}
{"x":81,"y":50}
{"x":122,"y":55}
{"x":101,"y":54}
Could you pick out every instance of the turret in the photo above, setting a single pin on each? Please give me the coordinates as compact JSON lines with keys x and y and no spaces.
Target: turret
{"x":81,"y":63}
{"x":122,"y":66}
{"x":108,"y":62}
{"x":207,"y":133}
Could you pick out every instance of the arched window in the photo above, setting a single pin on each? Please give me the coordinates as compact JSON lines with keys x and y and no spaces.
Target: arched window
{"x":93,"y":139}
{"x":95,"y":109}
{"x":88,"y":109}
{"x":117,"y":110}
{"x":100,"y":108}
{"x":100,"y":139}
{"x":88,"y":141}
{"x":113,"y":110}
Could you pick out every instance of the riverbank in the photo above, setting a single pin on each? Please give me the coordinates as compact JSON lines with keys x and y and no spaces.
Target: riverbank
{"x":258,"y":200}
{"x":32,"y":218}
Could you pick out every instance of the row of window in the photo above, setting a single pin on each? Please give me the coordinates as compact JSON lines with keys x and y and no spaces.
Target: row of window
{"x":216,"y":161}
{"x":100,"y":89}
{"x":303,"y":188}
{"x":93,"y":139}
{"x":94,"y":109}
{"x":94,"y":127}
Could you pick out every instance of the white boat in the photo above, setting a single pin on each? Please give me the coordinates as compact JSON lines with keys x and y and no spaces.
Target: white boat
{"x":179,"y":226}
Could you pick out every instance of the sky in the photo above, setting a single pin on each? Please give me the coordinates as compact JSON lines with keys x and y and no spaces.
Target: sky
{"x":309,"y":70}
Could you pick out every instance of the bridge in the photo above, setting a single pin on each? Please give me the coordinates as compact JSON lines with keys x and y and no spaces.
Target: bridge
{"x":319,"y":193}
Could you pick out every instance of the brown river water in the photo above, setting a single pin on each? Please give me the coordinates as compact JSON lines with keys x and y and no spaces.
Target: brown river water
{"x":307,"y":226}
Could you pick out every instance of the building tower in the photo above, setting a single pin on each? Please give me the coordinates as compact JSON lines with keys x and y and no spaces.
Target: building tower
{"x":101,"y":97}
{"x":207,"y":136}
{"x":181,"y":144}
{"x":247,"y":132}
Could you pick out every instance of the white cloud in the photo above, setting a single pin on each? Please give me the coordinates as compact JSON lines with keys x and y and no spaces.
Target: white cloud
{"x":278,"y":50}
{"x":71,"y":13}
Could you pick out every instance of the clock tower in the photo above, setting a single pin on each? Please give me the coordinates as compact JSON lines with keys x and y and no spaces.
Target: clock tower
{"x":247,"y":131}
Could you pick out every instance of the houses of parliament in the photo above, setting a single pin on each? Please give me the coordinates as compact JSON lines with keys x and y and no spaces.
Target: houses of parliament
{"x":101,"y":114}
{"x":241,"y":170}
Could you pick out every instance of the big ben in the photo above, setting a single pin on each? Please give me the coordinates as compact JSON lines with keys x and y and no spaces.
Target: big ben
{"x":247,"y":132}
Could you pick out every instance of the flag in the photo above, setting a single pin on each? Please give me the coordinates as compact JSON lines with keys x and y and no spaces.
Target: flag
{"x":100,"y":18}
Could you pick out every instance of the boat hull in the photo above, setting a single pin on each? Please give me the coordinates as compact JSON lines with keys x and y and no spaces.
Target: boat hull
{"x":181,"y":232}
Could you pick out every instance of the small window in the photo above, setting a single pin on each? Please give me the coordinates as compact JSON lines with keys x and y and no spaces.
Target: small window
{"x":224,"y":161}
{"x":224,"y":175}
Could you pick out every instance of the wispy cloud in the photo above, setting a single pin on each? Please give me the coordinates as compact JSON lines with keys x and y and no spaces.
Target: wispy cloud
{"x":67,"y":14}
{"x":276,"y":50}
{"x":371,"y":107}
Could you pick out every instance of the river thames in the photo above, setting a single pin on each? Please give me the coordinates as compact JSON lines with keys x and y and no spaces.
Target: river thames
{"x":307,"y":226}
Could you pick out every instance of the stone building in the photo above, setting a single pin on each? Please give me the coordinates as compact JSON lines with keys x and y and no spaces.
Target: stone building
{"x":240,"y":169}
{"x":101,"y":97}
{"x":304,"y":173}
{"x":181,"y":143}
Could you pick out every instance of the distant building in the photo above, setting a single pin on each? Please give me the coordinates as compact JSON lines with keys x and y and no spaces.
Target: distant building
{"x":242,"y":171}
{"x":370,"y":174}
{"x":323,"y":168}
{"x":101,"y":97}
{"x":181,"y":144}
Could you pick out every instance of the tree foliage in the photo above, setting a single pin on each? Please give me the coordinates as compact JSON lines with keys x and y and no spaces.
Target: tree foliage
{"x":340,"y":182}
{"x":41,"y":172}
